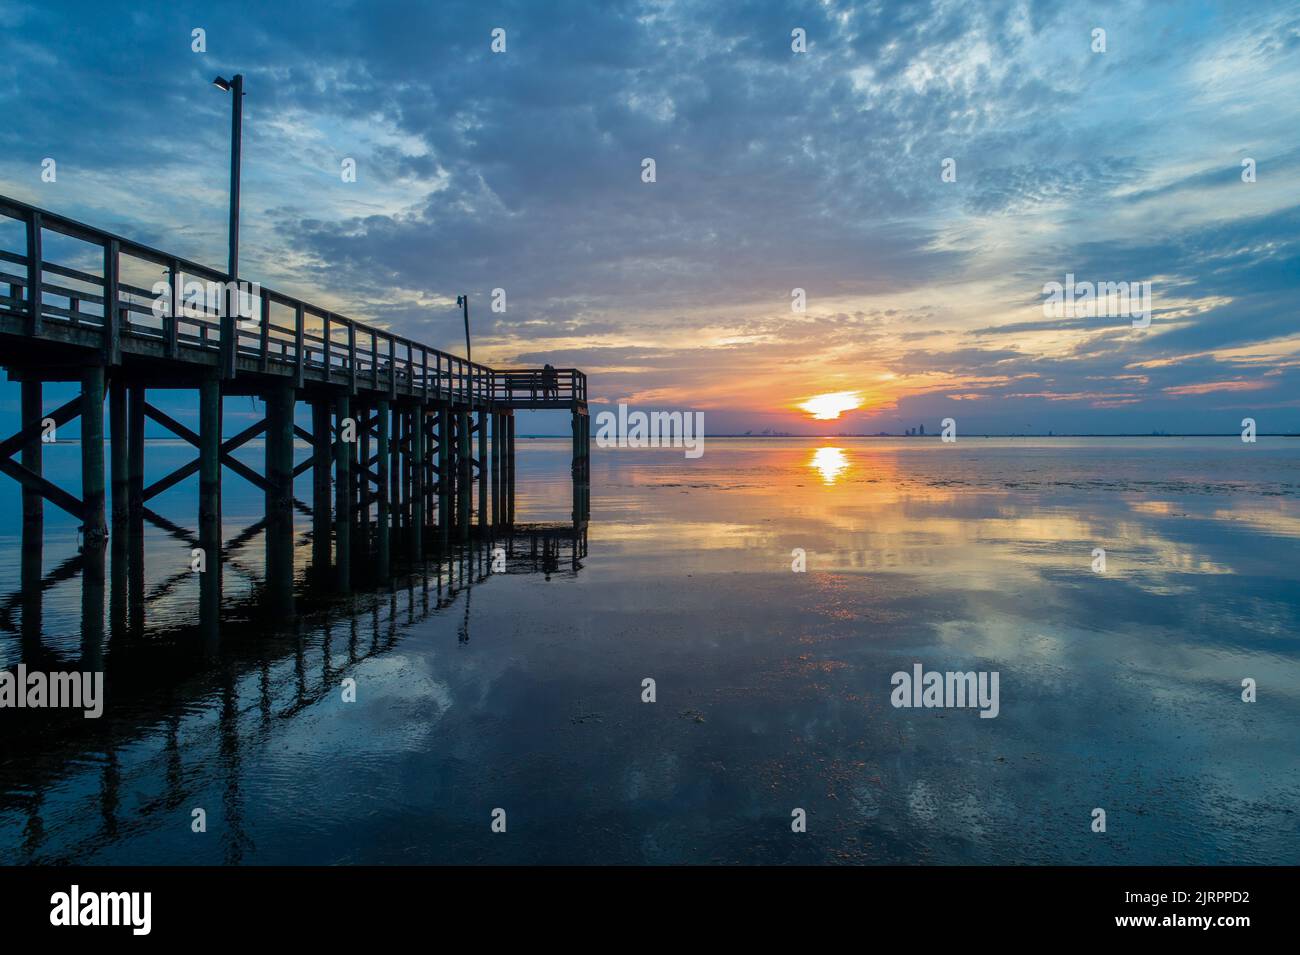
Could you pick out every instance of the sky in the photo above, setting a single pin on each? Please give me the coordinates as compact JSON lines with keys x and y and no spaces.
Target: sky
{"x":774,"y":170}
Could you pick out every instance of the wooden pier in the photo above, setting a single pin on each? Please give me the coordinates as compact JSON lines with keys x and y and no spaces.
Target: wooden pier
{"x":411,"y":448}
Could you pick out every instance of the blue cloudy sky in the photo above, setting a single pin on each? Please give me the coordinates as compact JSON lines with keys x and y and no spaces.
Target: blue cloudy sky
{"x":775,"y":170}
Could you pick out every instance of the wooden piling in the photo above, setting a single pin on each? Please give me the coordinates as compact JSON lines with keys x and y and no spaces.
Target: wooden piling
{"x":417,"y":487}
{"x":482,"y":468}
{"x":33,"y":534}
{"x":464,"y":487}
{"x":320,"y":487}
{"x":395,"y":474}
{"x":428,"y":464}
{"x":119,"y":468}
{"x":577,"y":444}
{"x":280,"y":403}
{"x":383,"y":543}
{"x":403,"y":426}
{"x":453,"y":467}
{"x":94,"y":528}
{"x":33,"y":502}
{"x":343,"y":453}
{"x":363,"y":483}
{"x":135,"y":507}
{"x":496,"y":468}
{"x":210,"y":499}
{"x":444,"y":470}
{"x":135,"y":459}
{"x":510,"y":469}
{"x":119,"y":483}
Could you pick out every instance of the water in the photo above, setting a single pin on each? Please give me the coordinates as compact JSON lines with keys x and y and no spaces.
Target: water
{"x":523,"y":691}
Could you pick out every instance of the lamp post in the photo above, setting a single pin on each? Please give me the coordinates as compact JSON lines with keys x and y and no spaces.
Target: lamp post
{"x":463,"y":302}
{"x":230,"y":315}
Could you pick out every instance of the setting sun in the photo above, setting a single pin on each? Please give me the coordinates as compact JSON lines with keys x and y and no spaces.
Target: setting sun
{"x":830,"y":406}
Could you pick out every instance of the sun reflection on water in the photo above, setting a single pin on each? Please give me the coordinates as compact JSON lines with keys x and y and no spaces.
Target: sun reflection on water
{"x":831,"y":462}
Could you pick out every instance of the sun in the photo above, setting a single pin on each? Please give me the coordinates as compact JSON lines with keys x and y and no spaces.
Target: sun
{"x":830,"y":406}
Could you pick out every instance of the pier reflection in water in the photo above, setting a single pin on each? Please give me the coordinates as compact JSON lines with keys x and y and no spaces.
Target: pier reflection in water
{"x":184,"y":691}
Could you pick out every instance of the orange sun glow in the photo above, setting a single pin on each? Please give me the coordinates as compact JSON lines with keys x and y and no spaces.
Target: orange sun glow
{"x":830,"y":463}
{"x":830,"y":406}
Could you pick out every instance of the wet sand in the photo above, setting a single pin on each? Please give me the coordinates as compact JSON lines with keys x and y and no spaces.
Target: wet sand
{"x":1119,"y":690}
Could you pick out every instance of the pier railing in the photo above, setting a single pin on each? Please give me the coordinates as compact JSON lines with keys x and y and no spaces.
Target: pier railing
{"x":521,"y":387}
{"x":149,"y":301}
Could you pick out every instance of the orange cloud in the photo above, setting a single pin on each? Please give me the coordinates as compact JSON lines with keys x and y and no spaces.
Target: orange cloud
{"x":1209,"y":386}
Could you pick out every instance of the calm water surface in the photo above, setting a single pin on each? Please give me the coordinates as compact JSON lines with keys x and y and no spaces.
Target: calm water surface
{"x":522,"y":690}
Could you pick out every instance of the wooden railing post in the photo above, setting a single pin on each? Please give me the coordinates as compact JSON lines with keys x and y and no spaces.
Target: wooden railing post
{"x":112,"y":320}
{"x":352,"y":358}
{"x":325,"y":344}
{"x":264,"y":334}
{"x":299,"y":342}
{"x":228,"y":322}
{"x":392,"y":367}
{"x":170,"y":333}
{"x":34,"y":274}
